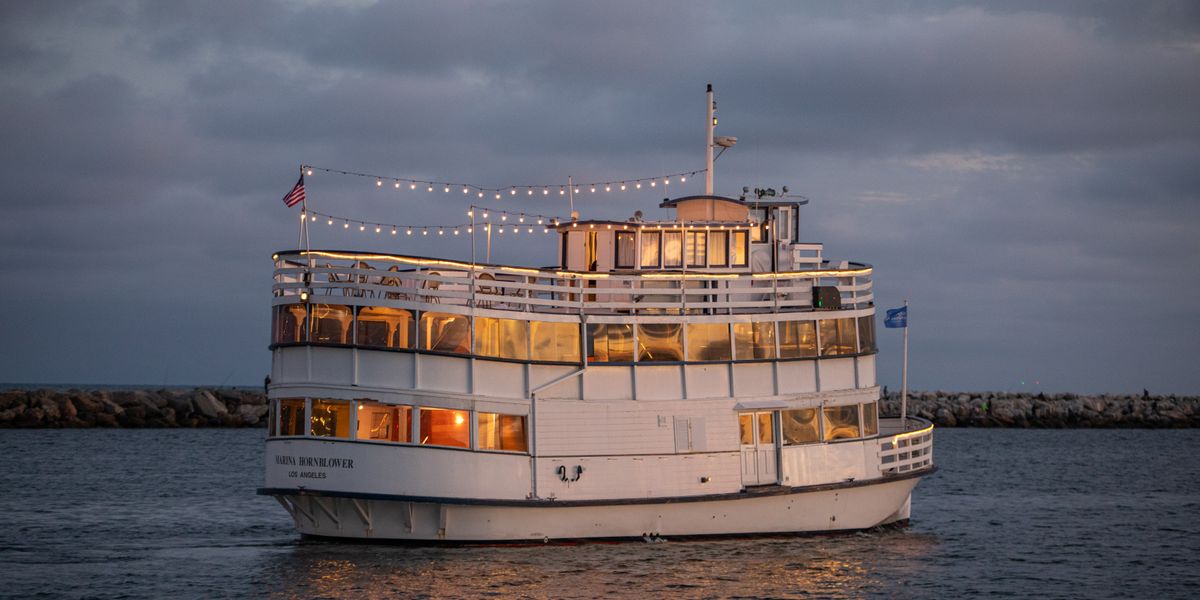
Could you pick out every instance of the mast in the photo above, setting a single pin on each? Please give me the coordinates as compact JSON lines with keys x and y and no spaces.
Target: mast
{"x":708,"y":143}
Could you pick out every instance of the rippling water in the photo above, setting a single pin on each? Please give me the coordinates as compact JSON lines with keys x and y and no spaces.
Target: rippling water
{"x":172,"y":513}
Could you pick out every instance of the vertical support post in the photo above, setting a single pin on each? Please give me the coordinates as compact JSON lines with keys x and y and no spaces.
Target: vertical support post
{"x":904,"y":377}
{"x":708,"y":144}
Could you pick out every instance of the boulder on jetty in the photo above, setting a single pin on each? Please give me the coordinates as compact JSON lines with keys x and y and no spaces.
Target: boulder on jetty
{"x":1014,"y":409}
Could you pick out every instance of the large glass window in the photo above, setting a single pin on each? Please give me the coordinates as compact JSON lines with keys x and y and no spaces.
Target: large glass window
{"x":673,"y":249}
{"x":801,"y":426}
{"x":502,"y":432}
{"x":746,"y":428}
{"x":382,"y":327}
{"x":291,"y":416}
{"x":445,"y":427}
{"x":766,"y":429}
{"x":330,"y":418}
{"x":718,"y":248}
{"x":501,"y":338}
{"x":739,"y":247}
{"x":626,"y":250}
{"x":331,"y":323}
{"x":650,"y":254}
{"x":445,"y":332}
{"x":837,"y":337}
{"x":708,"y":341}
{"x":841,"y":422}
{"x":610,"y":342}
{"x":386,"y":422}
{"x":754,"y":341}
{"x":660,"y":342}
{"x":866,"y":333}
{"x":870,"y":419}
{"x":290,"y":324}
{"x":797,"y":339}
{"x":697,"y":249}
{"x":555,"y":341}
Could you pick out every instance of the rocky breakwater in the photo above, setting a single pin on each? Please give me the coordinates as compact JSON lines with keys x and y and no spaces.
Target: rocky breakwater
{"x":1006,"y":409}
{"x":132,"y":408}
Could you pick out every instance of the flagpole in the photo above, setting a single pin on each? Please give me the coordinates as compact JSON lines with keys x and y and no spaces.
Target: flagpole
{"x":904,"y":375}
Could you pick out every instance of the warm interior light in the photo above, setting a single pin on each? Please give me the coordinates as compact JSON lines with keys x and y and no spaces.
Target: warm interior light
{"x":458,"y":419}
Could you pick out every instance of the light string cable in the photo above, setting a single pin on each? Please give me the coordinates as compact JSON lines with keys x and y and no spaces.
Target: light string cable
{"x":510,"y":221}
{"x":544,"y":189}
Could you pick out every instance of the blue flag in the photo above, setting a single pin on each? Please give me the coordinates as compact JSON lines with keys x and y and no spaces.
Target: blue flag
{"x":896,"y":317}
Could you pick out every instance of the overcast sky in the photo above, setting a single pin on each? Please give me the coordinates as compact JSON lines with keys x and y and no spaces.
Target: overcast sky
{"x":1025,"y":174}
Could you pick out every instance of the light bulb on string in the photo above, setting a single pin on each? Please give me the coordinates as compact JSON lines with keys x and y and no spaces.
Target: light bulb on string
{"x":446,"y":189}
{"x":521,"y":218}
{"x":470,"y":213}
{"x":485,"y":215}
{"x":514,"y":192}
{"x":682,"y":179}
{"x":378,"y":183}
{"x":397,"y":184}
{"x":497,"y":195}
{"x":314,"y":218}
{"x":622,"y":186}
{"x":530,"y":230}
{"x":409,"y":232}
{"x":607,"y":188}
{"x":529,"y":192}
{"x":504,"y":217}
{"x":424,"y":231}
{"x":429,"y":188}
{"x":346,"y":225}
{"x":470,"y":230}
{"x":330,"y":222}
{"x":639,"y":185}
{"x":412,"y":186}
{"x":561,"y":190}
{"x":455,"y":232}
{"x":576,"y":190}
{"x":310,"y":172}
{"x":545,"y":191}
{"x":480,"y":193}
{"x":666,"y":181}
{"x":466,"y":190}
{"x":593,"y":188}
{"x":441,"y":232}
{"x":362,"y":227}
{"x":376,"y":229}
{"x":539,"y":221}
{"x":393,"y":231}
{"x":652,"y":183}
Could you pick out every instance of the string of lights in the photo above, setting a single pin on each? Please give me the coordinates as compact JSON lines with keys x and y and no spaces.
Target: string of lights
{"x":510,"y":222}
{"x":542,"y":189}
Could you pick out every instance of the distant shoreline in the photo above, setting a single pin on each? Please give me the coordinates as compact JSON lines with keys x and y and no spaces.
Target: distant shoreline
{"x":28,"y":407}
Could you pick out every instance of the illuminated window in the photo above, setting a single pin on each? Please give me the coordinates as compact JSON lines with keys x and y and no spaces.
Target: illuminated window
{"x":660,"y":342}
{"x":718,"y":249}
{"x":377,"y":421}
{"x":501,"y":338}
{"x":766,"y":430}
{"x":331,"y":324}
{"x":502,"y":432}
{"x":445,"y":332}
{"x":754,"y":341}
{"x":381,"y":327}
{"x":291,"y":416}
{"x":626,"y":250}
{"x":746,"y":428}
{"x":555,"y":341}
{"x":837,"y":337}
{"x":696,"y":249}
{"x":841,"y":422}
{"x":866,"y":333}
{"x":445,"y":427}
{"x":610,"y":342}
{"x":290,"y":324}
{"x":272,"y":414}
{"x":797,"y":339}
{"x":650,"y":254}
{"x":673,"y":249}
{"x":739,"y":245}
{"x":330,"y":418}
{"x":801,"y":426}
{"x":870,"y":420}
{"x":708,"y":341}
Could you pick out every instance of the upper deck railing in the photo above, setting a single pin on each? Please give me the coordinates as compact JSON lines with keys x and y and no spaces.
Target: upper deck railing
{"x":390,"y":279}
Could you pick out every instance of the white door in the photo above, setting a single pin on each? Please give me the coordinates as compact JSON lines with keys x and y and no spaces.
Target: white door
{"x":759,"y":452}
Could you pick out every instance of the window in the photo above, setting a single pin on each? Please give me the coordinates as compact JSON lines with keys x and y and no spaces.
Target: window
{"x":660,"y":342}
{"x":290,"y":324}
{"x":557,"y":342}
{"x":754,"y":341}
{"x":626,"y":250}
{"x":870,"y":419}
{"x":377,"y":421}
{"x":746,"y":428}
{"x":445,"y":427}
{"x":797,"y":339}
{"x":673,"y":249}
{"x":841,"y":422}
{"x":718,"y":249}
{"x":502,"y":432}
{"x":445,"y":332}
{"x":697,"y":249}
{"x":291,"y":416}
{"x":272,"y":414}
{"x":381,"y":327}
{"x":837,"y":337}
{"x":331,"y":324}
{"x":766,"y":432}
{"x":610,"y":342}
{"x":330,"y":418}
{"x":650,"y":249}
{"x":708,"y":341}
{"x":739,"y":246}
{"x":866,"y":333}
{"x":501,"y":338}
{"x":801,"y":426}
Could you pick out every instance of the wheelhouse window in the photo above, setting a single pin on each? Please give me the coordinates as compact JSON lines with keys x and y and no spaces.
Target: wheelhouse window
{"x":866,"y":333}
{"x":841,"y":422}
{"x":290,"y":324}
{"x":797,"y":339}
{"x":660,"y":342}
{"x":801,"y":426}
{"x":502,"y":432}
{"x":650,"y":250}
{"x":382,"y":327}
{"x":331,"y":324}
{"x":739,"y":247}
{"x":558,"y":342}
{"x":626,"y":250}
{"x":673,"y":249}
{"x":754,"y":341}
{"x":870,"y":419}
{"x":291,"y":416}
{"x":445,"y":332}
{"x":837,"y":337}
{"x":501,"y":338}
{"x":610,"y":342}
{"x":696,"y":249}
{"x":708,"y":341}
{"x":330,"y":418}
{"x":718,"y":249}
{"x":384,"y":422}
{"x":445,"y":427}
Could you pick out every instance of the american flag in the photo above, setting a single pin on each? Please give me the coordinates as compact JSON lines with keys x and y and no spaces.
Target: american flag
{"x":296,"y":196}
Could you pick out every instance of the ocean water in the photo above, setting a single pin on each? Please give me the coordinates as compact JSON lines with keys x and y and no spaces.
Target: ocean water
{"x":173,"y":514}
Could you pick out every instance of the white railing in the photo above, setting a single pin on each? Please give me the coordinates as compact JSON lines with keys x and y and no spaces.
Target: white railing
{"x":905,"y":447}
{"x":386,"y":279}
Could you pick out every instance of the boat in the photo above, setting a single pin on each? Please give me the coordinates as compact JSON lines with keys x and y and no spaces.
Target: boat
{"x":707,"y":374}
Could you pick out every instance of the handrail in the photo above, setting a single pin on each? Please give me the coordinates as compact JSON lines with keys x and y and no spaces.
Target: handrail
{"x":910,"y":448}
